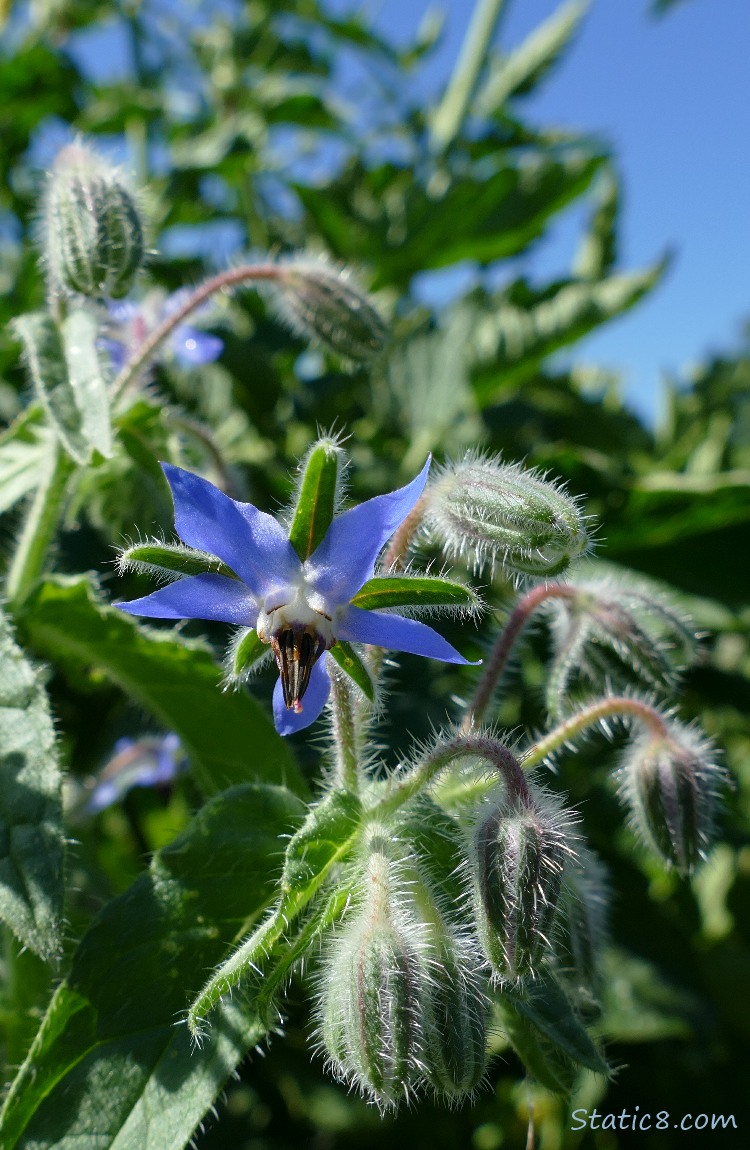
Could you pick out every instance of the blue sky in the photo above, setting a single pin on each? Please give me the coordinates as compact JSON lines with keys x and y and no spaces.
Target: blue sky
{"x":672,"y":98}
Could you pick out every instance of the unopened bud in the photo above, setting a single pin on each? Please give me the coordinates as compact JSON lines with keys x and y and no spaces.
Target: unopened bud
{"x":455,"y":1014}
{"x":582,"y":926}
{"x":491,"y":512}
{"x":322,"y":302}
{"x":520,"y":849}
{"x":92,"y":230}
{"x":608,"y":631}
{"x":372,"y":991}
{"x":670,"y":784}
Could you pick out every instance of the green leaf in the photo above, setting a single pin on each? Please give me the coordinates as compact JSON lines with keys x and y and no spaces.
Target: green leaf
{"x":80,"y":332}
{"x":413,"y":591}
{"x":45,"y":360}
{"x":24,"y":454}
{"x":31,"y":831}
{"x":349,"y":661}
{"x":316,"y":501}
{"x":522,"y":70}
{"x":324,"y":840}
{"x":171,"y":557}
{"x":546,"y":1034}
{"x":524,"y":329}
{"x":228,"y":737}
{"x":109,"y":1067}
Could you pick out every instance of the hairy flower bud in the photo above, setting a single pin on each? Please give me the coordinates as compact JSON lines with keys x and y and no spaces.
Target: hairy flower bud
{"x":582,"y":927}
{"x":519,"y":851}
{"x":614,"y":630}
{"x":670,"y":784}
{"x":455,"y":1013}
{"x":92,"y":231}
{"x":322,"y":302}
{"x":491,"y":512}
{"x":372,"y":992}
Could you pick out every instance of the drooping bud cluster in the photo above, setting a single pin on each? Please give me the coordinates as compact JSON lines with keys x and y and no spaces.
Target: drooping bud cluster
{"x":670,"y":783}
{"x":92,"y":232}
{"x":610,"y":632}
{"x":581,"y":927}
{"x":520,"y":850}
{"x":402,"y":1004}
{"x":322,"y":302}
{"x":490,"y":512}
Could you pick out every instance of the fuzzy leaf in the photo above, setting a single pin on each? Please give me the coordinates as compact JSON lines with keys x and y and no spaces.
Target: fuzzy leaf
{"x":25,"y":449}
{"x":326,"y":837}
{"x":316,"y":501}
{"x":31,"y":832}
{"x":109,"y":1067}
{"x":45,"y":361}
{"x":413,"y":591}
{"x":228,"y":738}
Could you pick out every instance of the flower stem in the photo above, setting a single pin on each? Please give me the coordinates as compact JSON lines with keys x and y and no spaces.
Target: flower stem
{"x":39,"y":529}
{"x":345,"y":734}
{"x":245,"y":274}
{"x":614,"y":706}
{"x":461,"y":746}
{"x":503,"y":647}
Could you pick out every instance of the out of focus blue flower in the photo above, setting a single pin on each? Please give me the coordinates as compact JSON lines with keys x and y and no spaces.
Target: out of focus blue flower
{"x":131,"y":323}
{"x":146,"y":762}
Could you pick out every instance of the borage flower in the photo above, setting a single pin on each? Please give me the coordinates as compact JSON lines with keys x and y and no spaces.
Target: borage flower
{"x":300,"y":607}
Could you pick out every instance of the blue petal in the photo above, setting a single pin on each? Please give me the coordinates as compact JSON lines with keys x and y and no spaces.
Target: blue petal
{"x":252,"y":543}
{"x":346,"y":557}
{"x":288,"y":721}
{"x":397,"y":634}
{"x":198,"y":597}
{"x":193,"y":347}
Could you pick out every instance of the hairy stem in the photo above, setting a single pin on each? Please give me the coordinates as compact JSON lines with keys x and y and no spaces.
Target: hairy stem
{"x":461,"y":746}
{"x":248,"y":273}
{"x":504,"y":644}
{"x":40,"y":527}
{"x":613,"y":707}
{"x":345,"y":733}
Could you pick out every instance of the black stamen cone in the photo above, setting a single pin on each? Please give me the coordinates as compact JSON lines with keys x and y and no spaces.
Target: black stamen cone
{"x":297,"y":650}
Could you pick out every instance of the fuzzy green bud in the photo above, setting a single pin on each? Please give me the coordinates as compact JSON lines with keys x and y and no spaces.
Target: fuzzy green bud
{"x":92,"y":231}
{"x":372,"y":991}
{"x":490,"y":512}
{"x":670,"y":784}
{"x":454,"y":1018}
{"x":322,"y":302}
{"x":582,"y":927}
{"x":519,"y":852}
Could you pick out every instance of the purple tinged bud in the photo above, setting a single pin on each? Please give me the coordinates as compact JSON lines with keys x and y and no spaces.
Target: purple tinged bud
{"x":670,"y":784}
{"x":520,"y":849}
{"x":92,"y":232}
{"x":455,"y":1015}
{"x":322,"y":302}
{"x":582,"y":927}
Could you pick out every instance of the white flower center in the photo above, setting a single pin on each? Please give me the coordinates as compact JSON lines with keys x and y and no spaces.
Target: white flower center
{"x":299,"y":630}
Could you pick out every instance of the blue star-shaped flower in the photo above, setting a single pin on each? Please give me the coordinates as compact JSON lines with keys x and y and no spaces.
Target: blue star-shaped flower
{"x":300,"y":608}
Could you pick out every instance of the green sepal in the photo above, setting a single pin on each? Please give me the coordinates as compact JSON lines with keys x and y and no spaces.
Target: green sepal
{"x":413,"y":591}
{"x":546,"y":1034}
{"x":247,"y":649}
{"x":349,"y":661}
{"x":173,"y":558}
{"x":316,"y":502}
